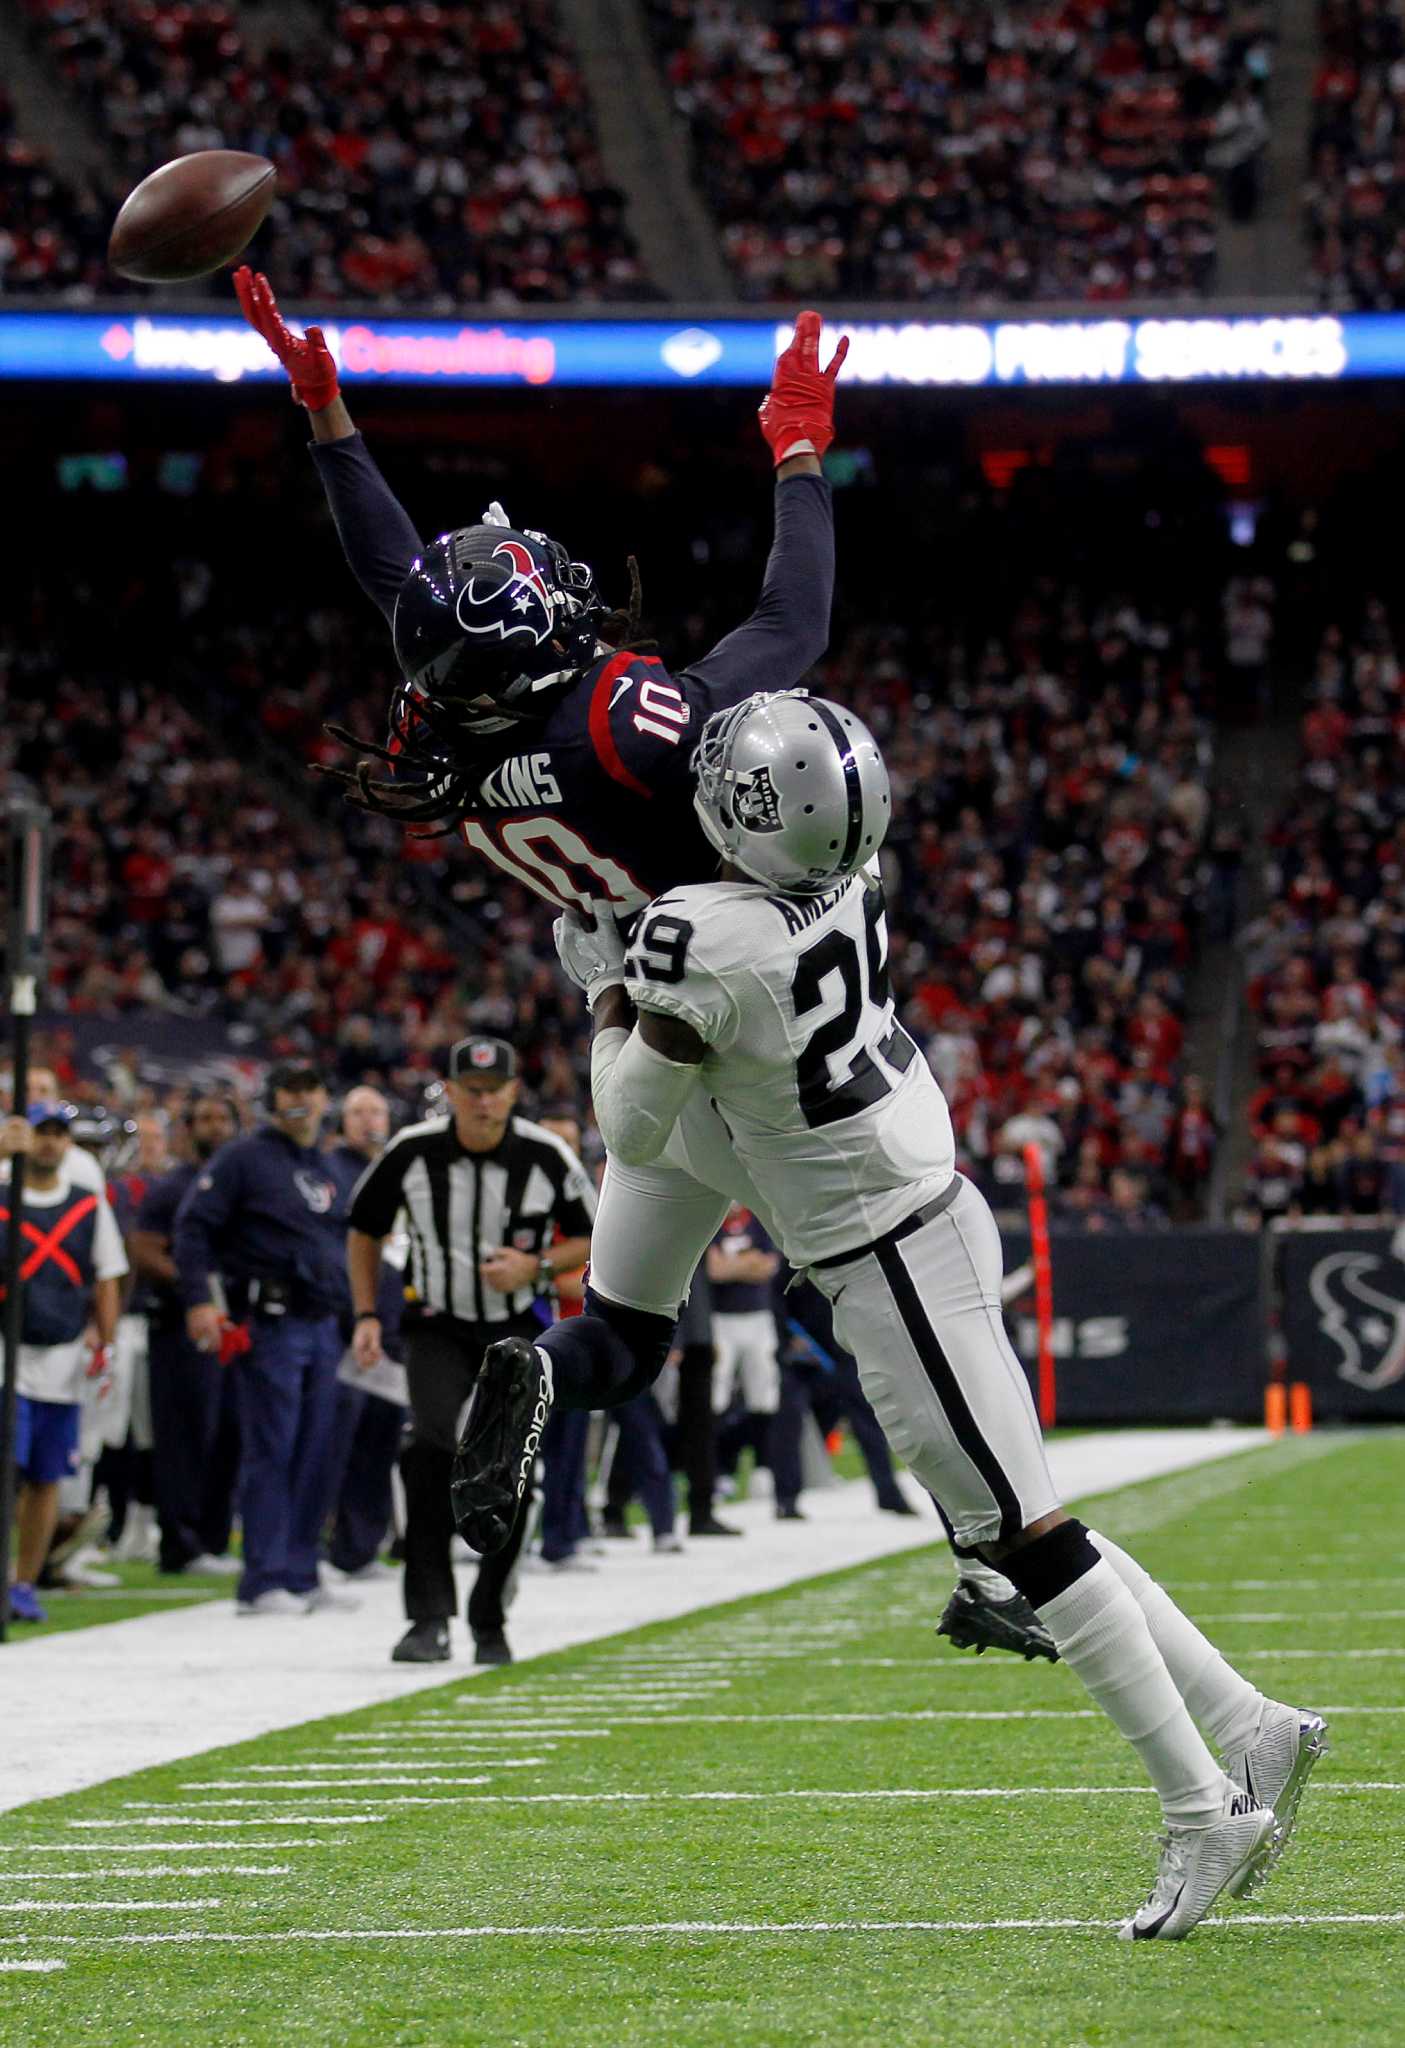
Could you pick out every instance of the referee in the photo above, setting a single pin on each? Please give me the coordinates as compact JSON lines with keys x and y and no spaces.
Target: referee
{"x":483,"y":1193}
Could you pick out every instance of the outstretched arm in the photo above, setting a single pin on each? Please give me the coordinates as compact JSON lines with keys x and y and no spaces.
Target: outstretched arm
{"x":789,"y":629}
{"x":376,"y":535}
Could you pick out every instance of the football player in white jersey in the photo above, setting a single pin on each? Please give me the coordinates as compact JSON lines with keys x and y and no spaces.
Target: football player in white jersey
{"x":766,"y":994}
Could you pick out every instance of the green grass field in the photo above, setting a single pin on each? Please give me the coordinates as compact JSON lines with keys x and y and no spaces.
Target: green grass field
{"x":747,"y":1830}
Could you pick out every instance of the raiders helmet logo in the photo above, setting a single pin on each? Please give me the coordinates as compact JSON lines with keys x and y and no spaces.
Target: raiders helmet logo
{"x":523,"y":605}
{"x":755,"y":801}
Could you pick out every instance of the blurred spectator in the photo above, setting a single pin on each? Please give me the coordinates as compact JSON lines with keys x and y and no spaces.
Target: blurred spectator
{"x":72,"y":1264}
{"x":1354,"y":199}
{"x":967,"y":153}
{"x":195,"y":1432}
{"x":437,"y":155}
{"x":53,"y":228}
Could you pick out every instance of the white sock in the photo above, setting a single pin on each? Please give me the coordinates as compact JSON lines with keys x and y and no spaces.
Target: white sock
{"x":986,"y":1578}
{"x":1102,"y":1635}
{"x":1224,"y":1704}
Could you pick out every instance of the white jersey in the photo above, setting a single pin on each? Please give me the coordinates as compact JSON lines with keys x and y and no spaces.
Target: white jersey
{"x":836,"y":1119}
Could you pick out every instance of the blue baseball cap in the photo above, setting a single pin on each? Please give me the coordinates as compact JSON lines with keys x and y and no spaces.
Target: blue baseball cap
{"x":61,"y":1113}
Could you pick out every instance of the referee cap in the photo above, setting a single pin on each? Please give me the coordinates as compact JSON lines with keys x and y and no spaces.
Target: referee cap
{"x":491,"y":1058}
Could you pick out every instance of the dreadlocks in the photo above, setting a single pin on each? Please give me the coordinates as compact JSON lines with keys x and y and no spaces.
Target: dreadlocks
{"x":439,"y":763}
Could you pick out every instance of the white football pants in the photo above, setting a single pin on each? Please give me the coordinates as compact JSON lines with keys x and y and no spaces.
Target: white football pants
{"x":922,"y":1317}
{"x":744,"y":1347}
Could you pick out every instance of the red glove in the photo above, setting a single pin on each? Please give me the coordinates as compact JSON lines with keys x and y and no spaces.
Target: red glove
{"x":234,"y":1337}
{"x":99,"y":1366}
{"x":307,"y":359}
{"x":797,"y":414}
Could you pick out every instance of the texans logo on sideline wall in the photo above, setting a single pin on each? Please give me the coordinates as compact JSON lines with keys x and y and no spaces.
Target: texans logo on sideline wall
{"x":1365,"y":1323}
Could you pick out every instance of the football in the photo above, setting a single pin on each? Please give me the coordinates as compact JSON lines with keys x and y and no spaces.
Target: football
{"x":192,"y":216}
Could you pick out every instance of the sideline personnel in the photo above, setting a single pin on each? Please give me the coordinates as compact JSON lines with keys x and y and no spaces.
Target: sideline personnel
{"x":483,"y":1191}
{"x":262,"y":1216}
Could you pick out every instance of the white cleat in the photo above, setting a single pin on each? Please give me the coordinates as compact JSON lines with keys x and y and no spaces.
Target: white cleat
{"x":1274,"y":1770}
{"x":276,"y":1601}
{"x":1197,"y":1864}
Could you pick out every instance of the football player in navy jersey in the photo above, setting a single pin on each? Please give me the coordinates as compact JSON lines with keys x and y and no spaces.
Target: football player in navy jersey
{"x":564,"y":755}
{"x":559,"y":753}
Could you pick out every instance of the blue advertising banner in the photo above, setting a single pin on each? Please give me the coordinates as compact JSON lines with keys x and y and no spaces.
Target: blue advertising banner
{"x":220,"y":349}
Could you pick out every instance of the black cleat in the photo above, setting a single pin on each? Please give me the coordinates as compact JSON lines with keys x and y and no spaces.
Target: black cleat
{"x":498,"y":1449}
{"x":491,"y":1647}
{"x":710,"y":1526}
{"x":789,"y":1511}
{"x":424,"y":1642}
{"x":972,"y":1621}
{"x":899,"y":1505}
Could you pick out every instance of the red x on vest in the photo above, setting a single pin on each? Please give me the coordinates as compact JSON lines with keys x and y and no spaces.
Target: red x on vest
{"x":49,"y":1244}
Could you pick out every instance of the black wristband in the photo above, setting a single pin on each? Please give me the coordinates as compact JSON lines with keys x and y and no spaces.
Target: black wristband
{"x":366,"y":1315}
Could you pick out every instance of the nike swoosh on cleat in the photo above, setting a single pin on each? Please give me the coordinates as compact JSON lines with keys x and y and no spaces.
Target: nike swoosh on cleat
{"x":1152,"y":1928}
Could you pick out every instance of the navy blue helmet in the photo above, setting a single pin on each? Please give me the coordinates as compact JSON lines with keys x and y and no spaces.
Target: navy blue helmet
{"x":490,"y":622}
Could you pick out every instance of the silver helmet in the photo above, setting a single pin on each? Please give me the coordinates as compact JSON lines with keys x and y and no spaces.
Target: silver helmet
{"x":792,"y":790}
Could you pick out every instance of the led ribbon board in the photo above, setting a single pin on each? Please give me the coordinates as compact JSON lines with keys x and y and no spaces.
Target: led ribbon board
{"x":156,"y":348}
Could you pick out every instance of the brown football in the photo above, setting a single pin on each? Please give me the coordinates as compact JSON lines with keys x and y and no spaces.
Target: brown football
{"x":191,"y":217}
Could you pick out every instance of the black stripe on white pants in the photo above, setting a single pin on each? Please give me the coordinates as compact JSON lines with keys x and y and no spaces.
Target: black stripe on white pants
{"x":922,"y":1317}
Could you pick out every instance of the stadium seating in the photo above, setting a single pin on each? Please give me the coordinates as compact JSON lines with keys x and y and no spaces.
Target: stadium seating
{"x":1051,"y":809}
{"x":1326,"y":962}
{"x":968,"y":153}
{"x":428,"y":155}
{"x":1355,"y":196}
{"x":53,"y":230}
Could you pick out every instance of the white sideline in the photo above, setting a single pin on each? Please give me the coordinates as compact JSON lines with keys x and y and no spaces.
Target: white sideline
{"x":102,"y":1702}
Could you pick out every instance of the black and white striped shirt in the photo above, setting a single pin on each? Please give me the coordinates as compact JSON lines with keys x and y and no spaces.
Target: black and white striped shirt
{"x":460,"y":1205}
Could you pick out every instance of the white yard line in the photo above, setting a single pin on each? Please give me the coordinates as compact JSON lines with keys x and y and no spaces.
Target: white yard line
{"x":200,"y":1936}
{"x":69,"y":1848}
{"x":142,"y":1870}
{"x":819,"y":1796}
{"x":267,"y":1820}
{"x":50,"y":1963}
{"x":112,"y":1905}
{"x":192,"y":1679}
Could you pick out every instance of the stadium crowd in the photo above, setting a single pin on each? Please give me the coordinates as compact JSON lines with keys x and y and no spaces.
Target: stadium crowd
{"x":439,"y":156}
{"x":53,"y":228}
{"x":962,"y":152}
{"x":1326,"y":960}
{"x":1354,"y":199}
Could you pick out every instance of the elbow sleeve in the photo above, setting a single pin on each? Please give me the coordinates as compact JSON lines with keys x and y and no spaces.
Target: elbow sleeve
{"x":638,"y":1095}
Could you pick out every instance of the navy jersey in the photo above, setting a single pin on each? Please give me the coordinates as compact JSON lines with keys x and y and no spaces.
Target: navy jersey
{"x":597,"y":803}
{"x":741,"y":1232}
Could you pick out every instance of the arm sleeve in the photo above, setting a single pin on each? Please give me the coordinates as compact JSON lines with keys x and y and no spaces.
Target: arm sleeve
{"x":638,"y":1095}
{"x":376,"y":1197}
{"x":109,"y":1259}
{"x":206,"y":1211}
{"x":789,"y":629}
{"x":374,"y":528}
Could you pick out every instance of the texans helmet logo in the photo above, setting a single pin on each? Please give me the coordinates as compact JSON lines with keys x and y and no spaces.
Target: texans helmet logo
{"x":522,"y":605}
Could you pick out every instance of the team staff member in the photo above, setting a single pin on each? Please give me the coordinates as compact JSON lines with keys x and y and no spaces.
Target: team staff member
{"x":367,"y":1432}
{"x":71,"y":1264}
{"x":262,"y":1216}
{"x":195,"y":1433}
{"x":484,"y":1193}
